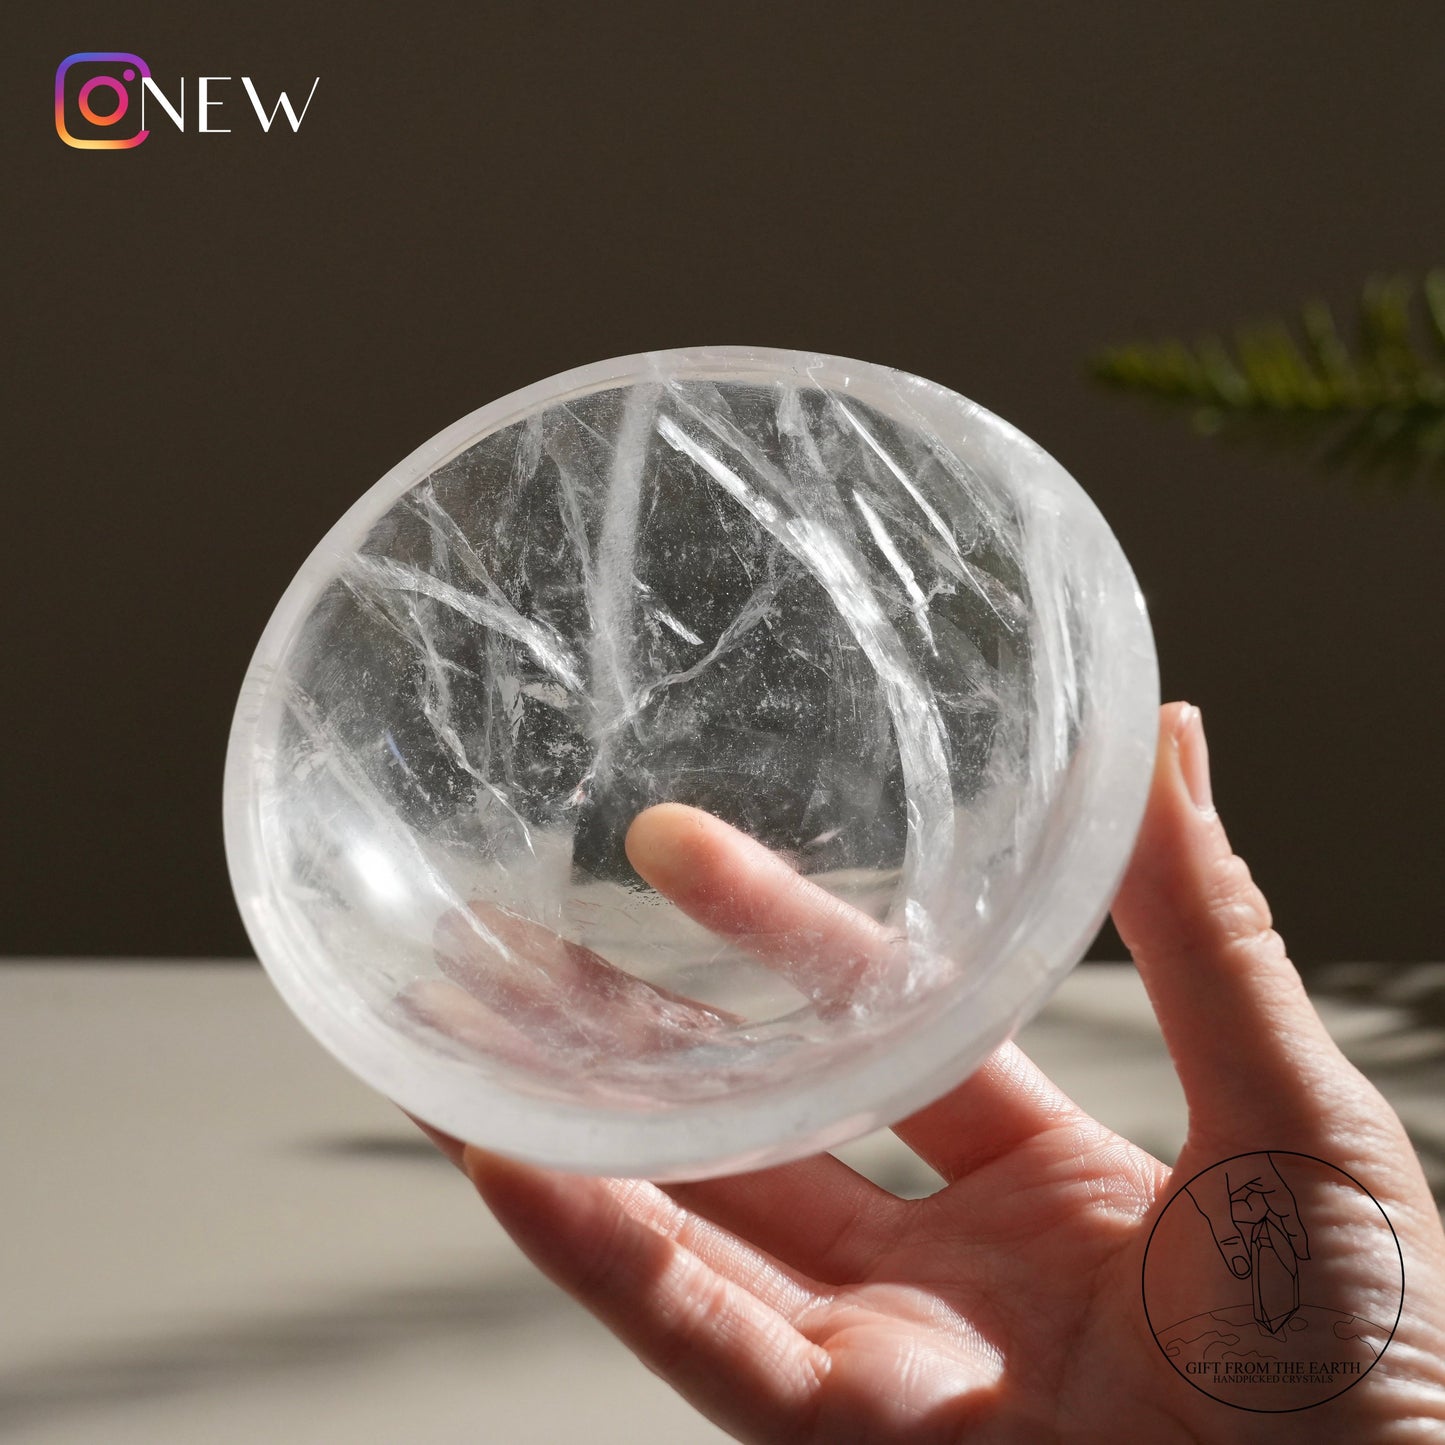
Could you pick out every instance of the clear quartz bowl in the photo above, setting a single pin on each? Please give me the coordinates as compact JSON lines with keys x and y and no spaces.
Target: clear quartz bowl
{"x":882,"y":649}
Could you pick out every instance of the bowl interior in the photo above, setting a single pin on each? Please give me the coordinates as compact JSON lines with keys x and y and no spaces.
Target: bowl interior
{"x":854,"y":618}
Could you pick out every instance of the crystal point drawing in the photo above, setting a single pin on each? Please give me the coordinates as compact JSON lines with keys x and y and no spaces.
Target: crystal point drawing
{"x":1274,"y":1276}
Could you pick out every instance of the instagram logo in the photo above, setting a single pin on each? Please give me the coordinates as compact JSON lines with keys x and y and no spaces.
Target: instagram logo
{"x":101,"y":95}
{"x":98,"y":104}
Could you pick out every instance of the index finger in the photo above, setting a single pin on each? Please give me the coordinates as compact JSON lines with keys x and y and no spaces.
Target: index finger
{"x":733,"y":885}
{"x":829,"y":950}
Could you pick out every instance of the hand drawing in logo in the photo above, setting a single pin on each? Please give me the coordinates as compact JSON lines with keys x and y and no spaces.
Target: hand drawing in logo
{"x":1256,"y":1226}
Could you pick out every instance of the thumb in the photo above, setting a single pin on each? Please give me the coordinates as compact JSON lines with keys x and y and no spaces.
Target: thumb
{"x":1211,"y":1198}
{"x":1246,"y":1041}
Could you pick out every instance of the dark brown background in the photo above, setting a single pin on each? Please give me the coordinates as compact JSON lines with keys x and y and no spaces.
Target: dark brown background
{"x":220,"y":341}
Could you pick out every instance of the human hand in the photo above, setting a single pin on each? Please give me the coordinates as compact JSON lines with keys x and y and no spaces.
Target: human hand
{"x":1244,"y":1192}
{"x":803,"y":1303}
{"x":1253,"y":1217}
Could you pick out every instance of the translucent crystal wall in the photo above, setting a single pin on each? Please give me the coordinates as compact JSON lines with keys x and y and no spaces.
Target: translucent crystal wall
{"x":845,"y":611}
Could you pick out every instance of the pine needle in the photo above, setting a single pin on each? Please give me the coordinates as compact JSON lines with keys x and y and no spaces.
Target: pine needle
{"x":1374,"y":406}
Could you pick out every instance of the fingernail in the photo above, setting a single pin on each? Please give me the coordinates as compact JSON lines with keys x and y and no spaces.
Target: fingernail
{"x":1240,"y":1265}
{"x":1194,"y":758}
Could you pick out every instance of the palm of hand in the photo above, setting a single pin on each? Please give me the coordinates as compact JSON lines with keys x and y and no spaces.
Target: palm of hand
{"x":1008,"y":1304}
{"x":803,"y":1303}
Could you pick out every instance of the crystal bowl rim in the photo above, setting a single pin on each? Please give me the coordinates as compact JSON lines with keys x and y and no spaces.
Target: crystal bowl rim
{"x":761,"y":1127}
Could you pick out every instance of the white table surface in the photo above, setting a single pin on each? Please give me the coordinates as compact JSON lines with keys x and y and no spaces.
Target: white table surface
{"x":211,"y":1233}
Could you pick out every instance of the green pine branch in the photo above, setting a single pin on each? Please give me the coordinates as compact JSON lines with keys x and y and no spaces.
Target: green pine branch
{"x":1376,"y":407}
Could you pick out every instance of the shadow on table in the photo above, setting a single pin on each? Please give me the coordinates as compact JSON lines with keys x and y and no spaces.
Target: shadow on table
{"x":214,"y":1355}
